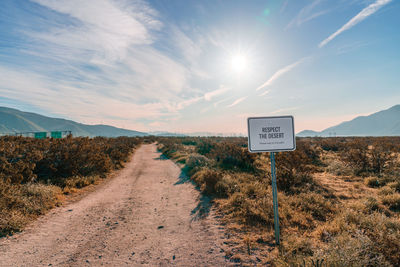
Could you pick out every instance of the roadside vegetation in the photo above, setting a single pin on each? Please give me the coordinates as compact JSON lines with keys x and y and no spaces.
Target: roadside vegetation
{"x":339,"y":198}
{"x":35,"y":175}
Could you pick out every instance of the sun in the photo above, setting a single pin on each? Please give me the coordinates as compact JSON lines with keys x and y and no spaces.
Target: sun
{"x":239,"y":63}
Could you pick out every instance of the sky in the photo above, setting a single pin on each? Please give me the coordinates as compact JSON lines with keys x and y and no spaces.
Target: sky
{"x":200,"y":66}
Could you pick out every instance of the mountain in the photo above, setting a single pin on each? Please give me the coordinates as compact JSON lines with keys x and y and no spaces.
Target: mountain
{"x":382,"y":123}
{"x":166,"y":134}
{"x":13,"y":120}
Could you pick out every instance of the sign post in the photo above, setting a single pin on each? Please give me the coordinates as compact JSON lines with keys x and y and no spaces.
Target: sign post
{"x":272,"y":134}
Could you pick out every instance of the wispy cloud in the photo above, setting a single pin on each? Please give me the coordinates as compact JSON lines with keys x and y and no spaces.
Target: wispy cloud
{"x":98,"y":60}
{"x":106,"y":29}
{"x":278,"y":74}
{"x":210,"y":95}
{"x":366,"y":12}
{"x":283,"y":110}
{"x":237,"y":101}
{"x":307,"y":13}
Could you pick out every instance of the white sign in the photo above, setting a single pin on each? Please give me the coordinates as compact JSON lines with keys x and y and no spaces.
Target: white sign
{"x":271,"y":134}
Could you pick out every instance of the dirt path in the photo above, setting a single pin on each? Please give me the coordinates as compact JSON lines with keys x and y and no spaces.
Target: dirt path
{"x":146,"y":215}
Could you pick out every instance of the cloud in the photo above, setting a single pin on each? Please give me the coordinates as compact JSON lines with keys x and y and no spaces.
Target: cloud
{"x":101,"y":27}
{"x":61,"y":100}
{"x":95,"y":61}
{"x":307,"y":13}
{"x":216,"y":104}
{"x":284,"y":110}
{"x":265,"y":92}
{"x":278,"y":74}
{"x":188,"y":102}
{"x":210,"y":95}
{"x":237,"y":101}
{"x":366,"y":12}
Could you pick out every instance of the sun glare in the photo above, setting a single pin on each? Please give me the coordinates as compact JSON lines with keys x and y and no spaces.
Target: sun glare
{"x":239,"y":63}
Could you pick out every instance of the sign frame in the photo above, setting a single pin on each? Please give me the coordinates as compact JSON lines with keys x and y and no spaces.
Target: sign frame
{"x":271,"y":150}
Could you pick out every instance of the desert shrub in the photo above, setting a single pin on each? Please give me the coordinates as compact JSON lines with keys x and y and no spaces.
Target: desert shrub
{"x":233,"y":157}
{"x":338,"y":167}
{"x":395,"y":185}
{"x":383,"y":232}
{"x":314,"y":204}
{"x":168,"y":147}
{"x":20,"y":203}
{"x":251,"y":211}
{"x":293,"y":170}
{"x":30,"y":169}
{"x":311,"y":151}
{"x":381,"y":155}
{"x":24,"y":160}
{"x":195,"y":162}
{"x":373,"y":182}
{"x":392,"y":201}
{"x":207,"y":179}
{"x":294,"y":251}
{"x":358,"y":159}
{"x":371,"y":205}
{"x":330,"y":144}
{"x":367,"y":155}
{"x":315,"y":223}
{"x":355,"y":249}
{"x":386,"y":190}
{"x":189,"y":141}
{"x":226,"y":186}
{"x":205,"y":146}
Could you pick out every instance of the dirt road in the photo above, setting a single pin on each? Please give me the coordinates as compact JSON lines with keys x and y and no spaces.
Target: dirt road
{"x":146,"y":215}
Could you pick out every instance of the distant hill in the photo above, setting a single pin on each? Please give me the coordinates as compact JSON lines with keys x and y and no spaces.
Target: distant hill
{"x":166,"y":134}
{"x":13,"y":120}
{"x":382,"y":123}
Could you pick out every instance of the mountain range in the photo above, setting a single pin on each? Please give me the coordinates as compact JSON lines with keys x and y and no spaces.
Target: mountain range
{"x":381,"y":123}
{"x":13,"y":120}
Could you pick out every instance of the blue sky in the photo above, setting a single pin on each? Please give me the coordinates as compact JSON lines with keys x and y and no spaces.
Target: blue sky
{"x":196,"y":66}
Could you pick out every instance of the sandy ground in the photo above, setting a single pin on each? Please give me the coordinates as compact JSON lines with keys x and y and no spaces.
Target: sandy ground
{"x":147,"y":215}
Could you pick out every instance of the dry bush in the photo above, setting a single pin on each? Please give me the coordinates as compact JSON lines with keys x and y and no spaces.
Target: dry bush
{"x":19,"y":204}
{"x":386,"y":190}
{"x":205,"y":146}
{"x":369,"y":155}
{"x":208,"y":179}
{"x":366,"y":238}
{"x":293,"y":171}
{"x":392,"y":201}
{"x":231,"y":156}
{"x":29,"y":169}
{"x":333,"y":144}
{"x":251,"y":211}
{"x":294,"y":251}
{"x":314,"y":204}
{"x":315,"y":224}
{"x":226,"y":186}
{"x":338,"y":167}
{"x":352,"y":249}
{"x":373,"y":182}
{"x":195,"y":162}
{"x":358,"y":159}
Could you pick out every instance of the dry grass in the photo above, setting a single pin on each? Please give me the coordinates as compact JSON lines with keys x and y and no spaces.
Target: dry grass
{"x":339,"y":199}
{"x":36,"y":174}
{"x":19,"y":204}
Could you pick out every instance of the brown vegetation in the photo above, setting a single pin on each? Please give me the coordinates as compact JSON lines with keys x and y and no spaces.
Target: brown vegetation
{"x":34,"y":173}
{"x":339,"y":198}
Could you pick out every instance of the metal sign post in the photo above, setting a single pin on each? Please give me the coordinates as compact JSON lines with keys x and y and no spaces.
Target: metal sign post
{"x":272,"y":134}
{"x":275,"y":197}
